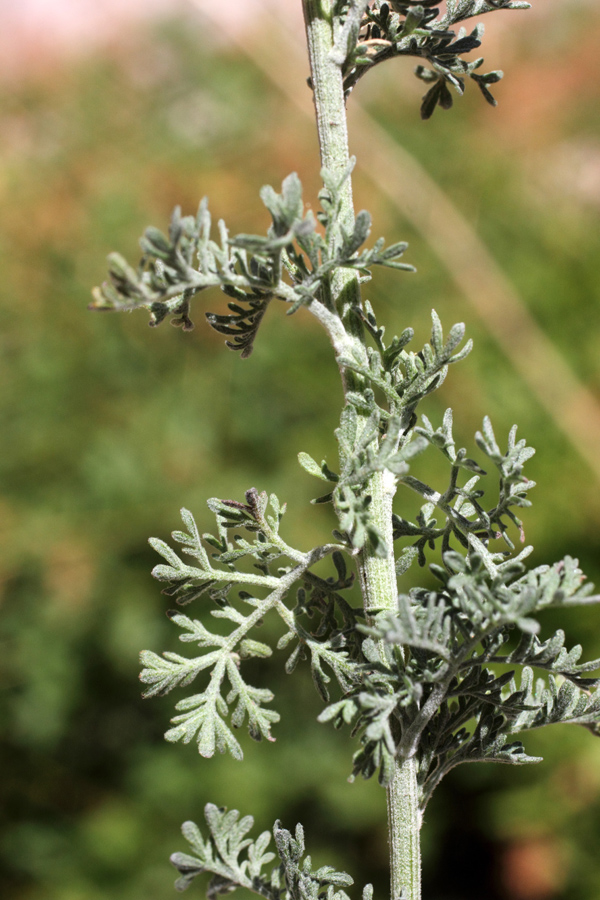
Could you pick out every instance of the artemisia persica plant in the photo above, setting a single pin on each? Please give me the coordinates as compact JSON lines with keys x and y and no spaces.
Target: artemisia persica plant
{"x":412,"y":673}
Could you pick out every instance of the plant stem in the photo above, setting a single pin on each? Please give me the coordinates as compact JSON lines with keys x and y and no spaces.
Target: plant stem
{"x":330,"y":110}
{"x":404,"y":825}
{"x":377,"y":575}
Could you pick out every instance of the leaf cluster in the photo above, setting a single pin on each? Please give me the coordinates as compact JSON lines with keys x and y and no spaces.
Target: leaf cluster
{"x":292,"y":263}
{"x":387,"y":441}
{"x":404,"y":377}
{"x":235,"y":860}
{"x":373,"y":32}
{"x":461,"y":506}
{"x":379,"y":432}
{"x":228,"y":700}
{"x":442,"y":681}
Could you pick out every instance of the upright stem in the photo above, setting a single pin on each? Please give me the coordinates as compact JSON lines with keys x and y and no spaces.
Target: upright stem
{"x":330,"y":110}
{"x":377,"y":575}
{"x":404,"y":828}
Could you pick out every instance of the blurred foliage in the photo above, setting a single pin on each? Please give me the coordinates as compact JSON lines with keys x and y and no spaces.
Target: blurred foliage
{"x":110,"y":427}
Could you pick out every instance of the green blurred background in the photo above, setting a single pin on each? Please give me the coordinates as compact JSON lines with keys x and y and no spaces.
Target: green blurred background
{"x":110,"y":427}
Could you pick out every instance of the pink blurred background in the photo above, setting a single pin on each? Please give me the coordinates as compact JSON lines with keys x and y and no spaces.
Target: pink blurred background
{"x":37,"y":33}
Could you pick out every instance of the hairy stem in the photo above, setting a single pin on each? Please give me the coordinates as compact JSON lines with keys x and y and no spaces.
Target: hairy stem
{"x":377,"y":575}
{"x":404,"y":823}
{"x":330,"y":111}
